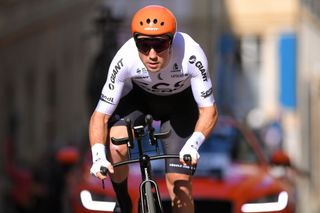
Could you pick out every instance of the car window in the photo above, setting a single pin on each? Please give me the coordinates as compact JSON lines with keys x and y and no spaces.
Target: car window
{"x":229,"y":142}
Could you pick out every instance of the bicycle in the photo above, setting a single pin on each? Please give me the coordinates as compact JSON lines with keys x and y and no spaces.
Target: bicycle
{"x":150,"y":200}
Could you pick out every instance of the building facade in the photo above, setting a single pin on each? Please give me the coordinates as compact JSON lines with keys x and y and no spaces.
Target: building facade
{"x":45,"y":55}
{"x":284,"y":35}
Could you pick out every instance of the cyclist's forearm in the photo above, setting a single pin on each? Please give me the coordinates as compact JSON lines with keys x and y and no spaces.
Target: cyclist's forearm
{"x":98,"y":128}
{"x":97,"y":135}
{"x":207,"y":119}
{"x":206,"y":122}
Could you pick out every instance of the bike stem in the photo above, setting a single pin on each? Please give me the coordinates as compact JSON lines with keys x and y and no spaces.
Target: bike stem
{"x":144,"y":159}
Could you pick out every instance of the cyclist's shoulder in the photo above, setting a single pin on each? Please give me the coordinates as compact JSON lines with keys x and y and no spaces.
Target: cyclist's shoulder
{"x":128,"y":47}
{"x":127,"y":53}
{"x":187,"y":48}
{"x":182,"y":38}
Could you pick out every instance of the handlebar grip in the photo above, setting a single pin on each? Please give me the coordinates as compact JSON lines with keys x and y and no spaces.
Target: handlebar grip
{"x":187,"y":158}
{"x":103,"y":170}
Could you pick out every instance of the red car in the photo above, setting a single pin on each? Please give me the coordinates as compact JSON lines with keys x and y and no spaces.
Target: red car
{"x":233,"y":176}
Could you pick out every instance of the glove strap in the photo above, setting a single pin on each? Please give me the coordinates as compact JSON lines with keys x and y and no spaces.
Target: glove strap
{"x":196,"y":140}
{"x":98,"y":152}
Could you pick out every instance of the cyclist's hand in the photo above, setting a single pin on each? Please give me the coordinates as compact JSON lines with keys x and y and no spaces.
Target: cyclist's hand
{"x":191,"y":148}
{"x":188,"y":150}
{"x":99,"y":159}
{"x":96,"y":167}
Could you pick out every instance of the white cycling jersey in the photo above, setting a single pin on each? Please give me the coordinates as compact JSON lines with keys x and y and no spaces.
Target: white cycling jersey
{"x":188,"y":66}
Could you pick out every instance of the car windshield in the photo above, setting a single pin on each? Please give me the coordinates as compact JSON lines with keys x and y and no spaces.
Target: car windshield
{"x":228,"y":142}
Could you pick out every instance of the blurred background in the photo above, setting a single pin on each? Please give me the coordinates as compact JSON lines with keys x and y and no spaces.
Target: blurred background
{"x":264,"y":58}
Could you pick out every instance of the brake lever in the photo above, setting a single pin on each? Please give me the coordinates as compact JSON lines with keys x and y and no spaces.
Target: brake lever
{"x":188,"y":159}
{"x":103,"y":187}
{"x":103,"y":171}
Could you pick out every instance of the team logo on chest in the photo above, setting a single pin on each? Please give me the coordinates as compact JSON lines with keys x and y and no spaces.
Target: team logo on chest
{"x":142,"y":70}
{"x":164,"y":82}
{"x":142,"y":73}
{"x":159,"y":77}
{"x":162,"y":87}
{"x":177,"y":72}
{"x":175,"y":68}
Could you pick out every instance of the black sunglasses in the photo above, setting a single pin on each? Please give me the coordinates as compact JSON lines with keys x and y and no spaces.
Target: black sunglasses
{"x":144,"y":45}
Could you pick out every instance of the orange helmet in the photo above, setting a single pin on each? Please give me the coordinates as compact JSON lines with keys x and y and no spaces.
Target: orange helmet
{"x":153,"y":20}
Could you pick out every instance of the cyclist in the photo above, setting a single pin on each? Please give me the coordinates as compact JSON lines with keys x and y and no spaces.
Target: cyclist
{"x":163,"y":73}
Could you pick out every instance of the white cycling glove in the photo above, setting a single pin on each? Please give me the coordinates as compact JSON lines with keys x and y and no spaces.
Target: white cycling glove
{"x":192,"y":146}
{"x":98,"y":158}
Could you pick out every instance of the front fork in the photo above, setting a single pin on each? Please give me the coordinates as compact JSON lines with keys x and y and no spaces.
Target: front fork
{"x":154,"y":185}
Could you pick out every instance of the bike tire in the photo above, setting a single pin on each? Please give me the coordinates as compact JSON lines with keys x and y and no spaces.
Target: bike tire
{"x":150,"y":201}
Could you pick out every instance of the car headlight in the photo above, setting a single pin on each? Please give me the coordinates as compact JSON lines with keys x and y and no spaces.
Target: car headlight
{"x":267,"y":204}
{"x":90,"y":204}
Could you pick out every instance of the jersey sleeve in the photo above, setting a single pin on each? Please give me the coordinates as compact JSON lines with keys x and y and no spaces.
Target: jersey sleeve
{"x":113,"y":88}
{"x":201,"y":84}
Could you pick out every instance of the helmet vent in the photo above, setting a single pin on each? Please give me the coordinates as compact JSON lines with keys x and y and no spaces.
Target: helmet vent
{"x":162,"y":23}
{"x":155,"y":21}
{"x":148,"y":21}
{"x":141,"y":23}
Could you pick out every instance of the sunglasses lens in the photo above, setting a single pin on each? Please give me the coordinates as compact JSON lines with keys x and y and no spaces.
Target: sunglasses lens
{"x":144,"y":45}
{"x":161,"y":45}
